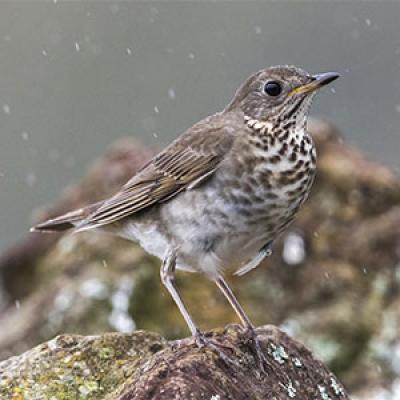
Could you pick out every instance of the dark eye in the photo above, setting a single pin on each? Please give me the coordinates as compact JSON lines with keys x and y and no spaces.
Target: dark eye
{"x":273,"y":88}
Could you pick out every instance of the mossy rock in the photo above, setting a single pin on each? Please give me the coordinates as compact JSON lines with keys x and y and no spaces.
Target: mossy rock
{"x":144,"y":366}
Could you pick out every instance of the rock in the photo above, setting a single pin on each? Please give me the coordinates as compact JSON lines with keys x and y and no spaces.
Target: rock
{"x":17,"y":265}
{"x":144,"y":366}
{"x":333,"y":280}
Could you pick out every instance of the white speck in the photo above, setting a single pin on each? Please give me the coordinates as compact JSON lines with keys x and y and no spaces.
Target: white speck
{"x":323,"y":392}
{"x":44,"y":52}
{"x":52,"y":344}
{"x":215,"y":397}
{"x":17,"y":304}
{"x":155,"y":135}
{"x":128,"y":51}
{"x":386,"y":394}
{"x":191,"y":56}
{"x":55,"y":1}
{"x":257,"y":29}
{"x":125,"y":286}
{"x":395,"y":358}
{"x":77,"y":46}
{"x":291,"y":390}
{"x":87,"y":388}
{"x":63,"y":300}
{"x":156,"y":110}
{"x":30,"y":179}
{"x":368,"y":22}
{"x":121,"y":321}
{"x":294,"y":252}
{"x":337,"y":388}
{"x":6,"y":109}
{"x":105,"y":264}
{"x":25,"y":135}
{"x":290,"y":326}
{"x":365,"y":270}
{"x":398,"y":108}
{"x":93,"y":288}
{"x":120,"y":300}
{"x":333,"y":90}
{"x":297,"y":362}
{"x":119,"y":317}
{"x":67,"y":244}
{"x":171,"y":93}
{"x":279,"y":353}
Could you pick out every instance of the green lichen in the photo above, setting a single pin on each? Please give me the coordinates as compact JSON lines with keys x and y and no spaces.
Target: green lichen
{"x":75,"y":367}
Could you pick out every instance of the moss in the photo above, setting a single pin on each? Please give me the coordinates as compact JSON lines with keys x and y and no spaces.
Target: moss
{"x":75,"y":367}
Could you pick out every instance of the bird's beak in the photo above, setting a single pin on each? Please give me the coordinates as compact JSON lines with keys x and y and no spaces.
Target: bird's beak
{"x":317,"y":82}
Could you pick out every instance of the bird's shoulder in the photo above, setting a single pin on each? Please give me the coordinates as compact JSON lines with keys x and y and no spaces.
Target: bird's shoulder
{"x":197,"y":150}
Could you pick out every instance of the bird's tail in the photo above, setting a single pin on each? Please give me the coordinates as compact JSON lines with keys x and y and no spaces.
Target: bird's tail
{"x":66,"y":221}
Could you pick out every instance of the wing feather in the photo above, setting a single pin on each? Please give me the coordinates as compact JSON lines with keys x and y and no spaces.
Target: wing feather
{"x":191,"y":158}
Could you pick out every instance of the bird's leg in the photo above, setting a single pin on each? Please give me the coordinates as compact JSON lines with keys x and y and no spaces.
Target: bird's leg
{"x":247,"y":324}
{"x":228,"y":293}
{"x":168,"y":279}
{"x":167,"y":273}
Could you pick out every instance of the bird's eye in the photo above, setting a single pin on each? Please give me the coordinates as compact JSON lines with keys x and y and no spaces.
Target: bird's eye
{"x":273,"y":88}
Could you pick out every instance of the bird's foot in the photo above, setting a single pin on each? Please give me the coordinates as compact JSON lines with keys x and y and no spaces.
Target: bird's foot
{"x":261,"y":358}
{"x":203,"y":342}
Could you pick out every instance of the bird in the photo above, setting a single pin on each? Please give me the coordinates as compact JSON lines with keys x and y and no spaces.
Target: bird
{"x":216,"y":199}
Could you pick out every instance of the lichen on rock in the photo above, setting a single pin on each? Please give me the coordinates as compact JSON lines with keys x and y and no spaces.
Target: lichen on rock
{"x":75,"y":367}
{"x":144,"y":366}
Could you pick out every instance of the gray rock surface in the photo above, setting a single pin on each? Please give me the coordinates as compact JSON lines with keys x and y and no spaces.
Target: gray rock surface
{"x":144,"y":366}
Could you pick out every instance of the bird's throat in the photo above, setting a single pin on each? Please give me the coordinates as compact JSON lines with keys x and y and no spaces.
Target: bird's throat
{"x":264,"y":127}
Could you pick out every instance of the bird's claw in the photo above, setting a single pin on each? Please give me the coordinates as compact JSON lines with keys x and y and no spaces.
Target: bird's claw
{"x":215,"y":346}
{"x":261,"y":358}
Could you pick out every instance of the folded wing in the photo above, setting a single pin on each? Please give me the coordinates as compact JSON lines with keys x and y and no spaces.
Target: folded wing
{"x":190,"y":159}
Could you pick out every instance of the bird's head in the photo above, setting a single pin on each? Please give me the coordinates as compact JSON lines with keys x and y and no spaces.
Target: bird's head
{"x":279,"y":94}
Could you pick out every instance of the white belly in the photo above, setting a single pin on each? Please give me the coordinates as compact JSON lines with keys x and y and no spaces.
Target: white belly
{"x":203,"y":242}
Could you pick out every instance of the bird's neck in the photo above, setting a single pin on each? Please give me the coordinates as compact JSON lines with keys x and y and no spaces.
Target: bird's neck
{"x":292,"y":131}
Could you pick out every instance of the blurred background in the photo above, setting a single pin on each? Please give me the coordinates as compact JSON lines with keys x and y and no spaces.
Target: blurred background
{"x":75,"y":76}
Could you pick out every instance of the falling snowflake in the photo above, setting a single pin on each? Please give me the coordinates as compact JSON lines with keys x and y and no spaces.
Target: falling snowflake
{"x":171,"y":93}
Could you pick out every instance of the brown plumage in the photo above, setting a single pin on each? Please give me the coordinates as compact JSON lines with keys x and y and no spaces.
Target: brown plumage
{"x":190,"y":159}
{"x":219,"y":195}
